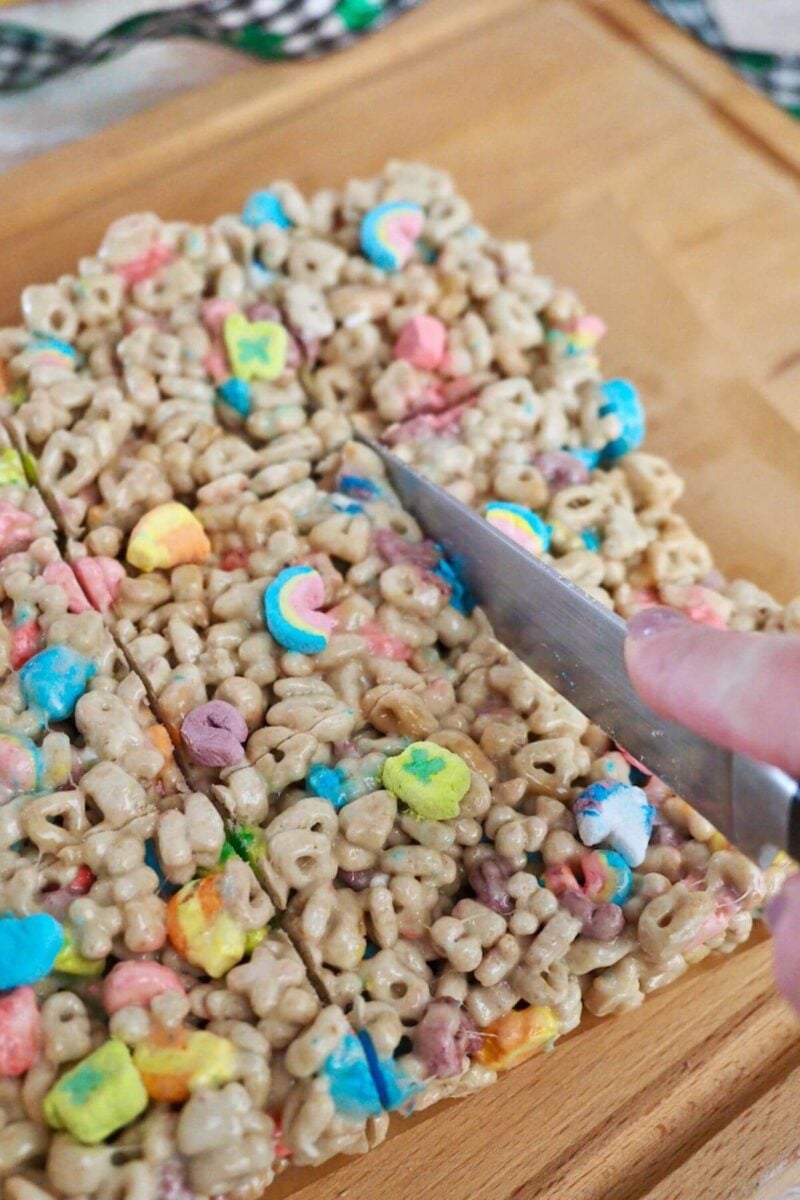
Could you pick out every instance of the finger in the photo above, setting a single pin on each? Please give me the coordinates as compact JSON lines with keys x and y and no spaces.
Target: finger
{"x":740,"y":690}
{"x":783,"y":918}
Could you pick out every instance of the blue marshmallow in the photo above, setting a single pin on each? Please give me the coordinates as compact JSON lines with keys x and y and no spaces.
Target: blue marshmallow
{"x":54,"y":680}
{"x":236,"y":394}
{"x":621,"y":400}
{"x":352,"y":1087}
{"x":589,"y":458}
{"x":28,"y":948}
{"x":265,"y":208}
{"x":394,"y":1087}
{"x":460,"y":597}
{"x":329,"y":784}
{"x":359,"y":487}
{"x":342,"y":504}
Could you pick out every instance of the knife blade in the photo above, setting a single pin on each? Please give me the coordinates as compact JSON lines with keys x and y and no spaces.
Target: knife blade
{"x":576,"y":645}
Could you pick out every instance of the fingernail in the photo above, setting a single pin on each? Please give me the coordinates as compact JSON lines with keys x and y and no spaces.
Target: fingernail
{"x":651,"y":622}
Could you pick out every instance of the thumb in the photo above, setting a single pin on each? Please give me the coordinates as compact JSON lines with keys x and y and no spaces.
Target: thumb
{"x":740,"y":690}
{"x":783,"y":918}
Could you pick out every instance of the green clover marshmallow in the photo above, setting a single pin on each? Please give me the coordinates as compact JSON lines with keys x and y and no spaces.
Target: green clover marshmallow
{"x":97,"y":1097}
{"x":429,"y":779}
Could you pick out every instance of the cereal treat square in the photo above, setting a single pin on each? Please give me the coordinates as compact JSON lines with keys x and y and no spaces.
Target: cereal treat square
{"x":214,"y":1039}
{"x":85,"y":803}
{"x":386,"y":304}
{"x":73,"y":713}
{"x":296,"y":574}
{"x":161,"y":373}
{"x":463,"y":944}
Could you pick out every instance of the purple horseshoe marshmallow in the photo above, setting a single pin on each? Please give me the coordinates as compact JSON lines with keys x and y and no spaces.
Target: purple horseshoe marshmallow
{"x":601,"y":922}
{"x":214,"y":734}
{"x":561,"y":469}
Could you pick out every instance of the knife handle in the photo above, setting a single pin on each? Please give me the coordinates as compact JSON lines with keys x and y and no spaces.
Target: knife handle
{"x":794,"y":826}
{"x":765,"y":810}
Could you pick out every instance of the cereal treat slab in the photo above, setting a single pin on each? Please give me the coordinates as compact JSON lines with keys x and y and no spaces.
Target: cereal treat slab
{"x":385,"y":861}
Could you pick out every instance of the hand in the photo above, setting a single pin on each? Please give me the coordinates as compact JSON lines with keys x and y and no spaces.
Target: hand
{"x":742,"y":691}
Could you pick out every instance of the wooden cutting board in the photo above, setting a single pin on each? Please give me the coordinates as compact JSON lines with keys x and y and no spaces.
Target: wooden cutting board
{"x":666,"y":192}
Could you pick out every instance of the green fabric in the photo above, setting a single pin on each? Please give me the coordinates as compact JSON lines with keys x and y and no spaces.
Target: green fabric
{"x":257,"y":41}
{"x":358,"y":14}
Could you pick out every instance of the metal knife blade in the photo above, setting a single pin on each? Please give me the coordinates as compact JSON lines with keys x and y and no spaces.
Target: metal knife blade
{"x":576,"y":645}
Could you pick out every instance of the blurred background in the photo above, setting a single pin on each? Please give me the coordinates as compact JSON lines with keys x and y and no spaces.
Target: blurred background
{"x":84,"y":100}
{"x":46,"y":100}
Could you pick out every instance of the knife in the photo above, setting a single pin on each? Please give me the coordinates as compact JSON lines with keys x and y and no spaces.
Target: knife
{"x":576,"y":645}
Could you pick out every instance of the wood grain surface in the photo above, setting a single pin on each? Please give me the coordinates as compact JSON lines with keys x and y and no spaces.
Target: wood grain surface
{"x":666,"y":192}
{"x":688,"y":1098}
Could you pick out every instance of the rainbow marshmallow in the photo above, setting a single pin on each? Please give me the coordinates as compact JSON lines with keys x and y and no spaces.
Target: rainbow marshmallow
{"x":22,"y":766}
{"x":607,"y":877}
{"x":388,"y":233}
{"x":53,"y":352}
{"x":578,"y":338}
{"x":587,"y":331}
{"x":291,"y":607}
{"x":521,"y":525}
{"x":166,"y":537}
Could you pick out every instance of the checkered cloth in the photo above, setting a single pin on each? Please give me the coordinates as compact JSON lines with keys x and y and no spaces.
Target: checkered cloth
{"x":283,"y":29}
{"x":778,"y":76}
{"x":275,"y":29}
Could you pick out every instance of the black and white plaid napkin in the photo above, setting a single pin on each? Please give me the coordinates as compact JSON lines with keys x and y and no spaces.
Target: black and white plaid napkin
{"x":272,"y":29}
{"x":285,"y":29}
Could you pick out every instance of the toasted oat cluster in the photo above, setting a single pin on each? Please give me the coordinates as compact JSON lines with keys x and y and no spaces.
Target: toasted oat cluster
{"x":288,"y":839}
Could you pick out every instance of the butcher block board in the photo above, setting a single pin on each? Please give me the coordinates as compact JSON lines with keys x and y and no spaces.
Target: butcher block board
{"x":666,"y":192}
